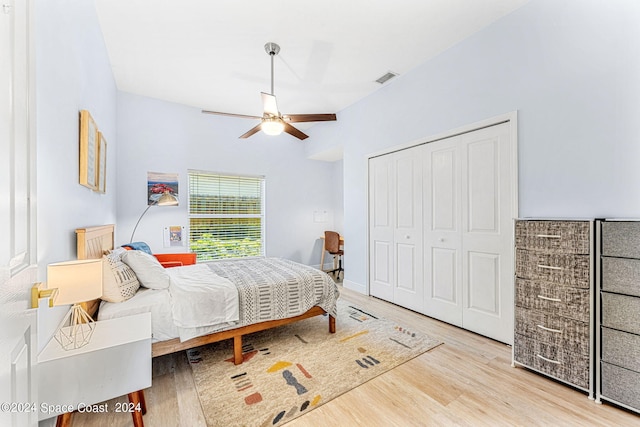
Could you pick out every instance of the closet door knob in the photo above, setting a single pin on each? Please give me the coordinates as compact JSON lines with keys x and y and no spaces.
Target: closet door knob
{"x":441,"y":239}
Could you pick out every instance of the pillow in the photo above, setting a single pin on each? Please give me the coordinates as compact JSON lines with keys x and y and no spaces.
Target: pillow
{"x":119,"y":282}
{"x":150,"y":272}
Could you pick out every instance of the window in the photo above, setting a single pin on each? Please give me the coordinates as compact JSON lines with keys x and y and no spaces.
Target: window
{"x":226,"y":215}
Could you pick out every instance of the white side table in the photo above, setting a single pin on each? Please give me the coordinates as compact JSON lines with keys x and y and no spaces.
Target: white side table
{"x":117,"y":361}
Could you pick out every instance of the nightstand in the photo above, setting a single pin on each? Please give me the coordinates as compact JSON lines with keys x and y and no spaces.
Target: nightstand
{"x":117,"y":361}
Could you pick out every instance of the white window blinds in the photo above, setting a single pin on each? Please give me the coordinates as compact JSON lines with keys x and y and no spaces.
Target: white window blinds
{"x":226,"y":215}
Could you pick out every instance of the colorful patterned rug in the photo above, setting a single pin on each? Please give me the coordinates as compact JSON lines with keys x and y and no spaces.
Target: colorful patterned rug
{"x":290,"y":370}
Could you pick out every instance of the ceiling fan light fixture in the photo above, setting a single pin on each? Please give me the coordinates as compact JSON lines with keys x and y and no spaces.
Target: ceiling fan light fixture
{"x":272,"y":126}
{"x":272,"y":122}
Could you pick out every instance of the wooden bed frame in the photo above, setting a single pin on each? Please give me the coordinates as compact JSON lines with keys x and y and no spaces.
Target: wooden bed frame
{"x":93,"y":242}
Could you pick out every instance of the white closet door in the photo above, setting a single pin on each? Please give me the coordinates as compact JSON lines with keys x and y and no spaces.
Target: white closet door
{"x":409,"y":288}
{"x":381,"y":227}
{"x":487,"y":217}
{"x":442,"y":231}
{"x":395,"y":223}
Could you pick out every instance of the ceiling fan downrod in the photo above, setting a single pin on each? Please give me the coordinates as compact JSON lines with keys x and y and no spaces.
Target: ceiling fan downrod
{"x":272,"y":50}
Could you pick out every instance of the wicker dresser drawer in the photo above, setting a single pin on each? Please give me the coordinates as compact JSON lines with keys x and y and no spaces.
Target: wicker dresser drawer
{"x":553,"y":268}
{"x":621,"y":384}
{"x":553,"y":360}
{"x":567,"y":237}
{"x":621,"y":312}
{"x":621,"y":349}
{"x":567,"y":270}
{"x":621,"y":275}
{"x":553,"y":299}
{"x":621,"y":239}
{"x":570,"y":335}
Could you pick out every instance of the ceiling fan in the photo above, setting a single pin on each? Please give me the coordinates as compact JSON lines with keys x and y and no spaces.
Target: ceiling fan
{"x":272,"y":121}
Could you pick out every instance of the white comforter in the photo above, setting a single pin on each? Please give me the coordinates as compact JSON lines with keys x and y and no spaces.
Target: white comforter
{"x":199,"y":297}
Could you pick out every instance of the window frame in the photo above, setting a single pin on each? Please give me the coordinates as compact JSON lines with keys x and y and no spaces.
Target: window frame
{"x":261,"y":215}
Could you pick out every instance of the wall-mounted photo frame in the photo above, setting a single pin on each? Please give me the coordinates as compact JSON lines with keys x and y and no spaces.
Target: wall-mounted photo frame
{"x":162,"y":188}
{"x":102,"y":164}
{"x":88,"y":151}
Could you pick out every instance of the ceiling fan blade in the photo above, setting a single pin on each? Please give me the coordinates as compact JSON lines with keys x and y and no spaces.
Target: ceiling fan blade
{"x":295,"y":132}
{"x":269,"y":104}
{"x":252,"y":131}
{"x":298,"y":118}
{"x":244,"y":116}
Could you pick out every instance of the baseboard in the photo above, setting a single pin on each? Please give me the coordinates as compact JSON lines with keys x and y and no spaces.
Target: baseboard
{"x":354,"y":286}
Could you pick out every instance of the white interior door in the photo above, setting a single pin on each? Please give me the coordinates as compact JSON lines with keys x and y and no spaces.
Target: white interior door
{"x":488,"y":210}
{"x":409,"y":288}
{"x":395,"y":228}
{"x":442,"y":231}
{"x":381,"y":227}
{"x":441,"y":235}
{"x":17,"y":379}
{"x":18,"y":331}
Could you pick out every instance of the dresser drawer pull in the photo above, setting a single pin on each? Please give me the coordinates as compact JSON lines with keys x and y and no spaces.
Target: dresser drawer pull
{"x":548,"y":360}
{"x":557,"y":331}
{"x":548,"y":267}
{"x":549,"y":236}
{"x":549,"y":299}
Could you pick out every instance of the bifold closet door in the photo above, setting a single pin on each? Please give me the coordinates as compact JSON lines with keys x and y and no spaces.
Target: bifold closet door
{"x":468,"y":223}
{"x":488,"y":211}
{"x":381,"y":227}
{"x":443,"y":230}
{"x":395,"y":219}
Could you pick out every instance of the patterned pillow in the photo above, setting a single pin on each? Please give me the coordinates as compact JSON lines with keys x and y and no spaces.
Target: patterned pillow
{"x":119,"y":282}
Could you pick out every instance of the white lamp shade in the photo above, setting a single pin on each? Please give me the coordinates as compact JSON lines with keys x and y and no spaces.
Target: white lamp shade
{"x":167,"y":199}
{"x":77,"y":281}
{"x":272,"y":126}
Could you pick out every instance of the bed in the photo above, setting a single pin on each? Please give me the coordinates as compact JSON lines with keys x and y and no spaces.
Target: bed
{"x":271,"y":291}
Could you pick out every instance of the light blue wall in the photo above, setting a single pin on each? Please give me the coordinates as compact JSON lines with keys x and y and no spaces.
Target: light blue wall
{"x":158,"y":136}
{"x":72,"y":74}
{"x":570,"y":68}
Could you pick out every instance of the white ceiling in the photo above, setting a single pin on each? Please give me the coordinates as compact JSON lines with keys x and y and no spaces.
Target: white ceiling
{"x":210,"y":53}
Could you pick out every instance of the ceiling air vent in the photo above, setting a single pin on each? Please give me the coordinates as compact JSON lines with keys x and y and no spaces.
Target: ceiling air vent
{"x":385,"y":78}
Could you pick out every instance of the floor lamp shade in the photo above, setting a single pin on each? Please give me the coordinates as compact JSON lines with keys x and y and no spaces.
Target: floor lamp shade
{"x":167,"y":199}
{"x":77,"y":281}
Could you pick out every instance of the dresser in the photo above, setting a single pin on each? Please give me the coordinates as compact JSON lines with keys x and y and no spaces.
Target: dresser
{"x":618,"y":317}
{"x":554,"y":288}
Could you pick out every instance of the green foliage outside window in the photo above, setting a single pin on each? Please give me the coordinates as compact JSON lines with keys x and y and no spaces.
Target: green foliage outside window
{"x":208,"y":247}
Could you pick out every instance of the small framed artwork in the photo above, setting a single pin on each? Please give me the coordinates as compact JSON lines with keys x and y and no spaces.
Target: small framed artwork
{"x":173,"y":236}
{"x":162,"y":188}
{"x":102,"y":164}
{"x":88,"y":151}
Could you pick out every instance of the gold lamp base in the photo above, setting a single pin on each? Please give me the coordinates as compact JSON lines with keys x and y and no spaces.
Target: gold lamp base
{"x":76,"y":328}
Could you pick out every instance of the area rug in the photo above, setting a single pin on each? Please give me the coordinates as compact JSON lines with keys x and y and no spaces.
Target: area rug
{"x":290,"y":370}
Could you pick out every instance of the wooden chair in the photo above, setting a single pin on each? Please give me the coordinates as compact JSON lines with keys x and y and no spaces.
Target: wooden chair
{"x":332,"y":245}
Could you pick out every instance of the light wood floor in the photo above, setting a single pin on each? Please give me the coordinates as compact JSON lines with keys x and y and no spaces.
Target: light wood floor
{"x":467,"y":381}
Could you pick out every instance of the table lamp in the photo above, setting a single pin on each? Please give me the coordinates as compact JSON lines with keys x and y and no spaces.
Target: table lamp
{"x":77,"y":281}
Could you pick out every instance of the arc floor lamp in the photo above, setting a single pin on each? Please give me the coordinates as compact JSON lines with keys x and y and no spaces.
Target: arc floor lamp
{"x":167,"y":199}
